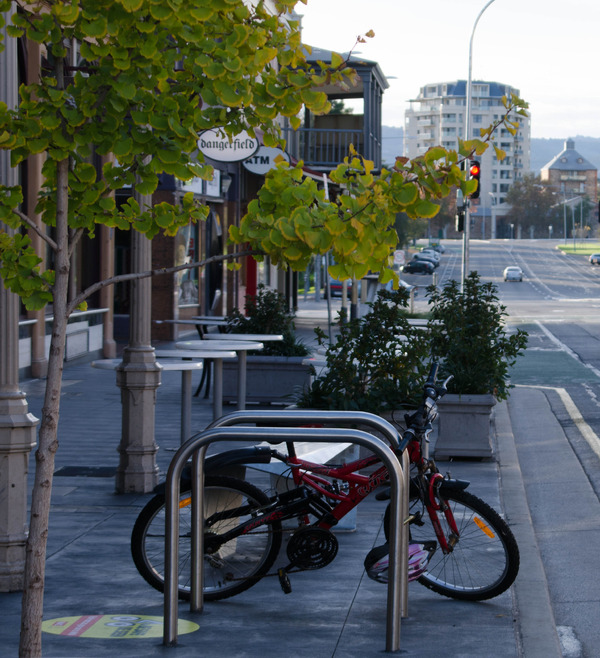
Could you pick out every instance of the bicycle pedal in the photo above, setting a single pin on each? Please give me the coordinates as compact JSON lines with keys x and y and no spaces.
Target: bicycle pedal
{"x":284,"y":581}
{"x":417,"y":519}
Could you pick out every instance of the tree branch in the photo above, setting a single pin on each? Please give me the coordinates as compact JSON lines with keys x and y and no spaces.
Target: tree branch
{"x":36,"y":229}
{"x":74,"y":237}
{"x":135,"y":276}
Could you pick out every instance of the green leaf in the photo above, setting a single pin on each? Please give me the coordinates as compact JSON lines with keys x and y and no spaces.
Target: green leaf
{"x":67,"y":14}
{"x":201,"y":13}
{"x":425,"y":209}
{"x":337,"y":61}
{"x":125,"y":88}
{"x":96,"y":28}
{"x":85,"y":172}
{"x":229,"y":95}
{"x":131,"y":5}
{"x":500,"y":153}
{"x":123,"y":147}
{"x":435,"y":153}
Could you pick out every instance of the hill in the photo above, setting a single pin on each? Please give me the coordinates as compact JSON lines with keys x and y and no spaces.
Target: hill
{"x":542,"y":149}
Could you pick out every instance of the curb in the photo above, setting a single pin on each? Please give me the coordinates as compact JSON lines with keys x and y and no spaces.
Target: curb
{"x":534,"y":616}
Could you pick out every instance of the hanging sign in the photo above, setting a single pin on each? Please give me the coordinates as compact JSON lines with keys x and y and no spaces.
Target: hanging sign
{"x":265,"y":159}
{"x":216,"y":145}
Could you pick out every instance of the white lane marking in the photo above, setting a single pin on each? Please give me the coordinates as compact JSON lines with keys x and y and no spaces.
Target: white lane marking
{"x":585,"y":430}
{"x":566,"y":348}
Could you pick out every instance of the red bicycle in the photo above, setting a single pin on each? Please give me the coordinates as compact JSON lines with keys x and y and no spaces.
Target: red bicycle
{"x":459,"y":546}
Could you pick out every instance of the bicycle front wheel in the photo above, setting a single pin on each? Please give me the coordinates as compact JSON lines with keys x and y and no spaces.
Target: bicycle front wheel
{"x":483,"y":563}
{"x":230,"y":568}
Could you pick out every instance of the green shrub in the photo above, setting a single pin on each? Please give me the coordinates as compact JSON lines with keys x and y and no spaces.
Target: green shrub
{"x":377,"y":363}
{"x":468,"y":335}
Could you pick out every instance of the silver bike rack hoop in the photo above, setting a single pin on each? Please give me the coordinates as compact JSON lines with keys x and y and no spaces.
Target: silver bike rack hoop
{"x":196,"y":447}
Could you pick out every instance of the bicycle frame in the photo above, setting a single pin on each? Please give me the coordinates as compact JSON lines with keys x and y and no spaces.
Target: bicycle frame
{"x":314,"y":482}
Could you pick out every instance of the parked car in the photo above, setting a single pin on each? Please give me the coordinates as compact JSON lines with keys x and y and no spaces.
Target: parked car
{"x":513,"y":273}
{"x":431,"y":252}
{"x":594,"y":259}
{"x":437,"y":247}
{"x":418,"y":267}
{"x":426,"y":257}
{"x":336,"y":287}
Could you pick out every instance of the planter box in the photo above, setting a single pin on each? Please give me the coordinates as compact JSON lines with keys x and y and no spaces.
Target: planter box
{"x":269,"y":379}
{"x":465,"y":426}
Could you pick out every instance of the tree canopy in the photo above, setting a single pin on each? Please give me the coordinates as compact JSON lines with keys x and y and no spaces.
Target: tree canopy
{"x":150,"y":77}
{"x":533,"y":203}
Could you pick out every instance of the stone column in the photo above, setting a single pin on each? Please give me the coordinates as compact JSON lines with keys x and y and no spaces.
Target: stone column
{"x":138,"y":376}
{"x":17,"y":426}
{"x":107,"y":294}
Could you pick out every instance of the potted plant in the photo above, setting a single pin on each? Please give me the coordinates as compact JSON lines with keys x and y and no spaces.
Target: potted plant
{"x":274,"y":374}
{"x":468,"y":334}
{"x":376,"y":364}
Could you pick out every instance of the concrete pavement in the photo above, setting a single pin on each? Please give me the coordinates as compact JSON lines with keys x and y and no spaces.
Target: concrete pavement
{"x":333,"y":612}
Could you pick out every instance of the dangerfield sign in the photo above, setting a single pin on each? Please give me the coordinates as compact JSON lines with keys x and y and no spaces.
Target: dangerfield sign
{"x":218,"y":146}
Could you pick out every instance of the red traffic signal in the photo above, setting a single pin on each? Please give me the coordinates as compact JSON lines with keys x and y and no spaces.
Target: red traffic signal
{"x":474,"y":173}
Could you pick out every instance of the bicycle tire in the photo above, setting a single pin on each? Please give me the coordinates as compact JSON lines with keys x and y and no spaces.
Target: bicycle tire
{"x":484,"y":562}
{"x":235,"y":567}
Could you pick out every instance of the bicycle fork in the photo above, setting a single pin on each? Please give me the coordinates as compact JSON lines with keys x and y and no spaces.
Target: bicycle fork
{"x":436,"y":502}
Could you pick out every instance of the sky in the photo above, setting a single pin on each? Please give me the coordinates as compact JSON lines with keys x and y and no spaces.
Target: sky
{"x":547,"y":49}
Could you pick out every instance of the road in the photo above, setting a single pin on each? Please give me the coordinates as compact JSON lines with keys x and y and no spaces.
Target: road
{"x":558,"y":304}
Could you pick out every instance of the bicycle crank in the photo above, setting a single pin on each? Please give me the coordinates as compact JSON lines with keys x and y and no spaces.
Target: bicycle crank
{"x":311,"y":548}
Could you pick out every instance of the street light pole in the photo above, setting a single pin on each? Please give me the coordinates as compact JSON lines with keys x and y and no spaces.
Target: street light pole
{"x":467,"y":229}
{"x":492,"y":213}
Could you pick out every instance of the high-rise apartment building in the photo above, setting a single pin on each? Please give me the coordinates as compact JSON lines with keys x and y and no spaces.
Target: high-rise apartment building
{"x":437,"y":117}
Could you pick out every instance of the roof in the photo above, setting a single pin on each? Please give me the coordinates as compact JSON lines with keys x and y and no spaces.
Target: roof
{"x":569,"y":160}
{"x":458,"y":88}
{"x":360,"y":65}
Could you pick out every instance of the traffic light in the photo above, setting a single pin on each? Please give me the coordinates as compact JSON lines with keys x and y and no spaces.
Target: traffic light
{"x":474,"y":173}
{"x":460,"y":221}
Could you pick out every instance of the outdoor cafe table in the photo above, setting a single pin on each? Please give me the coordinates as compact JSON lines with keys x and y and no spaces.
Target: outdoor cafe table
{"x":186,"y":368}
{"x":240,"y":346}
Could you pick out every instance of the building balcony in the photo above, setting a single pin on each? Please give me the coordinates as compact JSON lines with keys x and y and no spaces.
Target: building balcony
{"x":324,"y":148}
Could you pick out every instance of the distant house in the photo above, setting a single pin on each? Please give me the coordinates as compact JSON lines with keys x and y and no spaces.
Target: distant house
{"x":571,"y":174}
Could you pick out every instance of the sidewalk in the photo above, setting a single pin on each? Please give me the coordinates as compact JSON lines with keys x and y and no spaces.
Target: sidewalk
{"x":336,"y":611}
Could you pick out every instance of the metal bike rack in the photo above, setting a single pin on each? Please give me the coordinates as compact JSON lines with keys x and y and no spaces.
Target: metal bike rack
{"x":197,"y":446}
{"x":298,"y":417}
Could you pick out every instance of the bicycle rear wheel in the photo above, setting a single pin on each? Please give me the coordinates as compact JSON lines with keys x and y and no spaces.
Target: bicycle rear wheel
{"x":483,"y":563}
{"x":234,"y":566}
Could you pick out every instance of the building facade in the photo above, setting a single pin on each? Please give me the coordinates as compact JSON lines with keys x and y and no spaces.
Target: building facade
{"x":571,"y":175}
{"x":437,"y":117}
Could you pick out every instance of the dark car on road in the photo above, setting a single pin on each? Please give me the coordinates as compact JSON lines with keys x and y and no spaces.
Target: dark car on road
{"x":426,"y":257}
{"x":418,"y":267}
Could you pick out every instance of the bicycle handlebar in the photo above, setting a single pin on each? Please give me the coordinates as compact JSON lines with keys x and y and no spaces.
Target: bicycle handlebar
{"x":432,"y":392}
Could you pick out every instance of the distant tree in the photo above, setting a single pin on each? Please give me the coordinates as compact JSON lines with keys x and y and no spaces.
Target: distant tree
{"x":338,"y":107}
{"x":533,"y":204}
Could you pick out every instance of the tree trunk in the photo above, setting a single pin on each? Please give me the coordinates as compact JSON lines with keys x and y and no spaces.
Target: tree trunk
{"x":35,"y":558}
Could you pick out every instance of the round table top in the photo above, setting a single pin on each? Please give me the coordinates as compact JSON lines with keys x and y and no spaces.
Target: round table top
{"x":203,"y":353}
{"x":236,"y":346}
{"x":113,"y":364}
{"x":263,"y":338}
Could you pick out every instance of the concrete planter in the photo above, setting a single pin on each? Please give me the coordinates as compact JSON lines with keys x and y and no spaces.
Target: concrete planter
{"x":465,"y":426}
{"x":270,"y":379}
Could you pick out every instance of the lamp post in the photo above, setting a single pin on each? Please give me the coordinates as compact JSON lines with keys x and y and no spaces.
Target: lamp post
{"x":493,"y":214}
{"x":465,"y":260}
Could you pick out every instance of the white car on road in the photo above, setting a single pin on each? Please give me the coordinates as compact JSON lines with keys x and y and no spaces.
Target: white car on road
{"x":513,"y":273}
